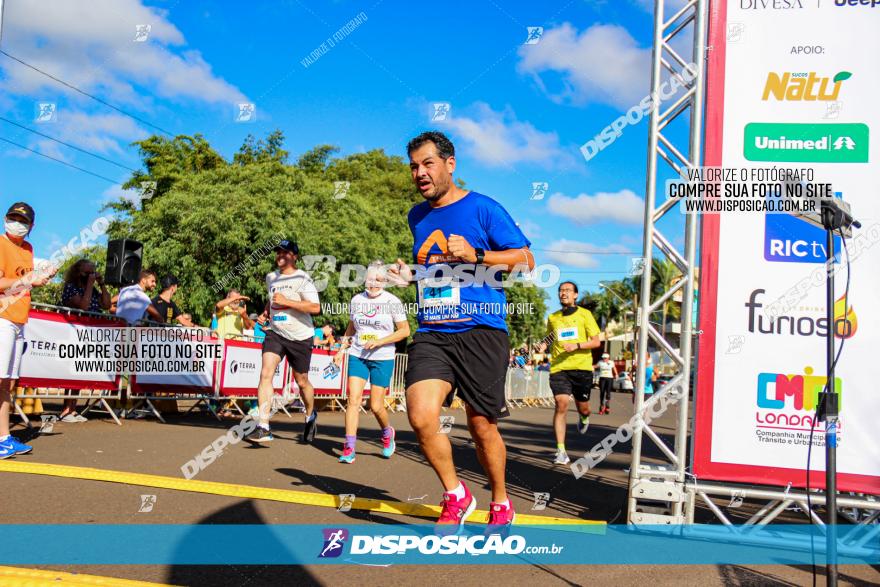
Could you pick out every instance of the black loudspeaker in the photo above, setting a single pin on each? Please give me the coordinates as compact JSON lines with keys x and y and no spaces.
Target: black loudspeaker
{"x":124,"y":258}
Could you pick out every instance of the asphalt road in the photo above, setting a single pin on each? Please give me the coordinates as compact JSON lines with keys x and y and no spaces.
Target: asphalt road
{"x":146,"y":446}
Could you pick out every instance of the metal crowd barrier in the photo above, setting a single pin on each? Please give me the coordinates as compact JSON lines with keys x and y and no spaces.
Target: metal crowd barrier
{"x":93,"y":397}
{"x":524,"y":388}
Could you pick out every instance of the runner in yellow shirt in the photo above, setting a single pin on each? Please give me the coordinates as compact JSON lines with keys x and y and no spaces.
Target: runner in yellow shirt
{"x":573,"y":332}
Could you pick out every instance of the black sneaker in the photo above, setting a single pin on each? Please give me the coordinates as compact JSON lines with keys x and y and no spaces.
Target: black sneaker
{"x":259,"y":435}
{"x":311,"y":427}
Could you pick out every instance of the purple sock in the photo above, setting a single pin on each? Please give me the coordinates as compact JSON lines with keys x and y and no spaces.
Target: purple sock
{"x":386,"y":432}
{"x":350,"y":441}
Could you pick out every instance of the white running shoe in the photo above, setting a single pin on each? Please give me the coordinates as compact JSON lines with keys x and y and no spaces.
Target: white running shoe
{"x":561,"y":458}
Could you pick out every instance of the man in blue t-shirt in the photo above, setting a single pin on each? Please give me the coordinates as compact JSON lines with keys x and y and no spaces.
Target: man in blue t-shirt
{"x":462,"y":242}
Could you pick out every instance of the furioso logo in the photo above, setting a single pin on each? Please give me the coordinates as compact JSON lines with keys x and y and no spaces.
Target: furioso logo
{"x":435,"y":238}
{"x":334,"y":542}
{"x":845,"y":321}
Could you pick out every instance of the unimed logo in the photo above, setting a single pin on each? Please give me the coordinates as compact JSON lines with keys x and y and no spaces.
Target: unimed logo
{"x":806,"y":142}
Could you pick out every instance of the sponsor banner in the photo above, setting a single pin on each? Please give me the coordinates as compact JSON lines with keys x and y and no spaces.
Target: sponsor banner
{"x":200,"y":380}
{"x":396,"y":544}
{"x":240,"y":371}
{"x":794,"y":83}
{"x":41,"y":365}
{"x":325,"y":377}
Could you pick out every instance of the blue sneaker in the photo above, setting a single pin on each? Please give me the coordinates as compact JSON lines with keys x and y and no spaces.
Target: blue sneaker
{"x":6,"y":452}
{"x":348,"y":455}
{"x":15,"y":446}
{"x":388,"y":444}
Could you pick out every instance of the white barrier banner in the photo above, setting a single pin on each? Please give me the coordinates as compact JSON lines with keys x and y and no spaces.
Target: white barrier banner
{"x":241,"y":369}
{"x":203,"y":377}
{"x":40,"y":363}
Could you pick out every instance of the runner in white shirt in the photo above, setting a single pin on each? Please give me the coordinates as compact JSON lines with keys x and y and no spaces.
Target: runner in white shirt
{"x":293,"y":300}
{"x":376,"y":322}
{"x":607,"y":374}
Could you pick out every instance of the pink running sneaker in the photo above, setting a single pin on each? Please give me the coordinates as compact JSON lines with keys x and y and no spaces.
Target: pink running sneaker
{"x":455,"y":511}
{"x":501,"y":518}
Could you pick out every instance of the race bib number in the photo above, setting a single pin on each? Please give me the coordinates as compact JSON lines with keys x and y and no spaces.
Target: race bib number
{"x":567,"y":334}
{"x":365,"y":338}
{"x":437,"y":293}
{"x":279,"y":318}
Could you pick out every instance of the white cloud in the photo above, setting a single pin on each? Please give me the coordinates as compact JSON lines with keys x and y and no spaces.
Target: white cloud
{"x":531,"y":229}
{"x":498,"y":139}
{"x":624,"y":207}
{"x":603,"y":64}
{"x":100,"y":133}
{"x":91,"y":45}
{"x":571,"y":253}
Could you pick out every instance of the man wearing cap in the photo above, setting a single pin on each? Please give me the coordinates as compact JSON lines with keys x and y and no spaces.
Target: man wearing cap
{"x":293,"y":300}
{"x":607,"y":375}
{"x":166,"y":307}
{"x":17,"y":277}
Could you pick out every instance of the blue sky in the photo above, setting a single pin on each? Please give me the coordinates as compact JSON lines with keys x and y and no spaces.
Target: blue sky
{"x":518,"y":112}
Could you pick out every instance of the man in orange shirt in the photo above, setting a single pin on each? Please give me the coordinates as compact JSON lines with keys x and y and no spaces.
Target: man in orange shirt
{"x":17,"y":277}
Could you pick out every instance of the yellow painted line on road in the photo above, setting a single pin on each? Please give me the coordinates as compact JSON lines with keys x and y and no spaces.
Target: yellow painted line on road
{"x":266,"y":493}
{"x":40,"y":578}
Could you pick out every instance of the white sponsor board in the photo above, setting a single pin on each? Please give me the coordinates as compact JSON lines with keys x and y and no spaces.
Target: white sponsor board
{"x":241,"y":369}
{"x":201,"y":379}
{"x":40,"y":363}
{"x":789,"y":87}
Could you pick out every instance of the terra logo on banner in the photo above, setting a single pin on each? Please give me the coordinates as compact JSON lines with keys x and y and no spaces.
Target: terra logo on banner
{"x":801,"y":142}
{"x":803,"y":86}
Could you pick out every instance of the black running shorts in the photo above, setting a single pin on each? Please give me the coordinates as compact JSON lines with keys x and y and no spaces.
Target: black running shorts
{"x":474,"y":362}
{"x":575,"y":382}
{"x":298,"y":352}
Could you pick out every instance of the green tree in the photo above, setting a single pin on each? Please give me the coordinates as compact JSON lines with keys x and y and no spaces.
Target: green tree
{"x":526,"y":323}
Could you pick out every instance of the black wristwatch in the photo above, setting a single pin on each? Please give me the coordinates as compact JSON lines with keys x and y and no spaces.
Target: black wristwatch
{"x":481,"y":254}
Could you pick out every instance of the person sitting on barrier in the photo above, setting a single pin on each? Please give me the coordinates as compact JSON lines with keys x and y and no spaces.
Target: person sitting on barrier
{"x":232,"y":315}
{"x":292,"y":301}
{"x":376,"y":323}
{"x":17,"y":277}
{"x":166,"y":306}
{"x":133,"y":303}
{"x":80,"y":293}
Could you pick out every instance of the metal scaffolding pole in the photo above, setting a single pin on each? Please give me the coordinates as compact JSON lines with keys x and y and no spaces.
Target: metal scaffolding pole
{"x":657,"y":493}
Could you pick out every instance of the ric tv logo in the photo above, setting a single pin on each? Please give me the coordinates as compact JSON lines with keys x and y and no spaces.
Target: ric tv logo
{"x":803,"y":86}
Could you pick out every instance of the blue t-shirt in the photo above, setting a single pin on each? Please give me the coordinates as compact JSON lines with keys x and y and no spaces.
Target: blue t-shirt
{"x":259,"y":333}
{"x":450,"y":307}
